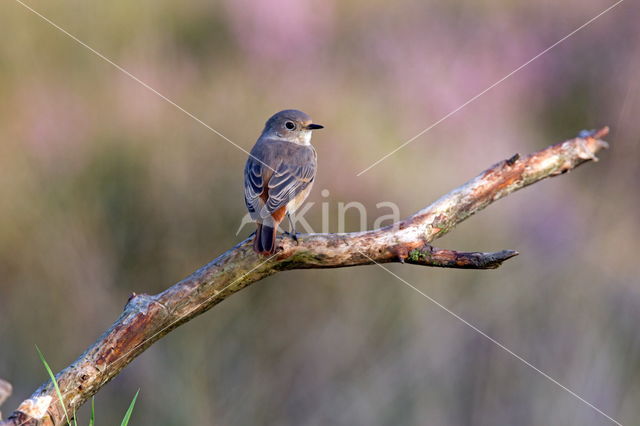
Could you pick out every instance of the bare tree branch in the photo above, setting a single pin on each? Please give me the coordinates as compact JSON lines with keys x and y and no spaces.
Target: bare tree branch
{"x":5,"y":392}
{"x":146,"y":318}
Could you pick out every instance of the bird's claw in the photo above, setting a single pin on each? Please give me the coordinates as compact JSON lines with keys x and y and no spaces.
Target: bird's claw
{"x":293,"y":236}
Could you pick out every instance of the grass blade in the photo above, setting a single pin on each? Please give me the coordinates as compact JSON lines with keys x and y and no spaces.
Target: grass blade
{"x":92,"y":419}
{"x":55,"y":383}
{"x":127,"y":415}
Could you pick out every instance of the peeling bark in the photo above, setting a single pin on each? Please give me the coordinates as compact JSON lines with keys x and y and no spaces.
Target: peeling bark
{"x":146,"y":318}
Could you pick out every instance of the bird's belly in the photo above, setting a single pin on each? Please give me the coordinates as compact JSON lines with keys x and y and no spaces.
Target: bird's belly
{"x":299,"y":199}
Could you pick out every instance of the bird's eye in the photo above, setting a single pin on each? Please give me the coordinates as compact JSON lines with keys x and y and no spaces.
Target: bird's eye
{"x":290,"y":125}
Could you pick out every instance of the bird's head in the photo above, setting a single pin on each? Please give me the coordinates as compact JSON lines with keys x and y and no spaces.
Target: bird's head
{"x":291,"y":125}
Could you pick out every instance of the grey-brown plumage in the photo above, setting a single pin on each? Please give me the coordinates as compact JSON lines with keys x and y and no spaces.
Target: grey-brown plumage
{"x":279,"y":174}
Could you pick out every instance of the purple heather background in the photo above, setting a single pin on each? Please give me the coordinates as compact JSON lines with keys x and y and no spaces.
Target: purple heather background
{"x":107,"y":189}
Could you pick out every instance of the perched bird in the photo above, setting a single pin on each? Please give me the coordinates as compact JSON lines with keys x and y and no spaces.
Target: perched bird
{"x":279,"y":174}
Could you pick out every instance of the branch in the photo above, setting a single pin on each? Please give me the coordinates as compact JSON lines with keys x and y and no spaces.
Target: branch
{"x":146,"y":318}
{"x":5,"y":392}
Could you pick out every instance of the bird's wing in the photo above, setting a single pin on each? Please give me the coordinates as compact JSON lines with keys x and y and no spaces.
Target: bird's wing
{"x":289,"y":180}
{"x":256,"y":174}
{"x":275,"y":173}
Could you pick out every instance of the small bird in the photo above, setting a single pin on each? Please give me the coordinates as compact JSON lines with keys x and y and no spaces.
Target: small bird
{"x":279,"y":174}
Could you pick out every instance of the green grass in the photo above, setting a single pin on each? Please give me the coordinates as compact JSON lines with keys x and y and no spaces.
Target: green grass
{"x":92,"y":418}
{"x":55,"y":383}
{"x":127,"y":415}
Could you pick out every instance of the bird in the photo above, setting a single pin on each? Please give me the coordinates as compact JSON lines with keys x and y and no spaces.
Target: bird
{"x":279,"y":174}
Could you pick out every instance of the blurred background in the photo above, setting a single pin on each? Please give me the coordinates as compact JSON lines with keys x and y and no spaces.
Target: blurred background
{"x":106,"y":189}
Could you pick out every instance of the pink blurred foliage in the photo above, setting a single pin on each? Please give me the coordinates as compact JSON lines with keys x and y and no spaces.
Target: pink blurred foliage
{"x":435,"y":71}
{"x":55,"y":125}
{"x":169,"y":73}
{"x":281,"y":30}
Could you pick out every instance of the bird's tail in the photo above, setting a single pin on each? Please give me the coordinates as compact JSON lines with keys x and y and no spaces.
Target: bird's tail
{"x":265,"y":240}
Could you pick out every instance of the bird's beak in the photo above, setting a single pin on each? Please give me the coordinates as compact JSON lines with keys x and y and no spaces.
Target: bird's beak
{"x":314,"y":127}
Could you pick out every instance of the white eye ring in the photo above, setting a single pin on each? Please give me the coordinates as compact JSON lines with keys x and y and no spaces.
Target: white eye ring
{"x":290,"y":125}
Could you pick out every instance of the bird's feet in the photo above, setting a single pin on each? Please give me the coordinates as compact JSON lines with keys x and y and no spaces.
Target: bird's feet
{"x":293,"y":236}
